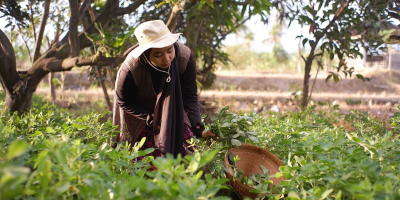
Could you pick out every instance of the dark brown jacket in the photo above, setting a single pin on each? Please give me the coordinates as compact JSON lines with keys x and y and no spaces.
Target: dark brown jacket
{"x":146,"y":97}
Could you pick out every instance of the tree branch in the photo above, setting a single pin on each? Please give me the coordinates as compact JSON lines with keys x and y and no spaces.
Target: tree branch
{"x":8,"y":73}
{"x":318,"y":54}
{"x":83,"y":8}
{"x":129,"y":9}
{"x":394,"y":15}
{"x":338,"y":13}
{"x":45,"y":16}
{"x":25,"y":42}
{"x":171,"y":23}
{"x":32,"y":21}
{"x":303,"y":58}
{"x":395,"y":9}
{"x":241,"y":3}
{"x":57,"y":65}
{"x":73,"y":28}
{"x":182,"y":6}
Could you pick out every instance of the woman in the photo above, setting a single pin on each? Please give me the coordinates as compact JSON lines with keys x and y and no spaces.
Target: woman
{"x":156,"y":92}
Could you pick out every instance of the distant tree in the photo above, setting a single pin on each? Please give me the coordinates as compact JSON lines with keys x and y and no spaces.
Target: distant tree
{"x":332,"y":25}
{"x":275,"y":39}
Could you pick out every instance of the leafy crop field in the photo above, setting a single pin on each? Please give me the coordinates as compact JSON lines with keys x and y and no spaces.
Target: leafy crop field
{"x":47,"y":154}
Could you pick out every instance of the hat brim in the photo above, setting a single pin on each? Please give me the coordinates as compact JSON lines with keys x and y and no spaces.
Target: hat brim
{"x":160,"y":43}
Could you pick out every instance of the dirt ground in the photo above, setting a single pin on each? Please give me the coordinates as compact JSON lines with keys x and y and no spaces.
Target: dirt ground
{"x":264,"y":91}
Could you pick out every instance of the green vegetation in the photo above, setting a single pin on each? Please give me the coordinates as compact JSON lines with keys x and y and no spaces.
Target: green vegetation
{"x":242,"y":58}
{"x":47,"y":154}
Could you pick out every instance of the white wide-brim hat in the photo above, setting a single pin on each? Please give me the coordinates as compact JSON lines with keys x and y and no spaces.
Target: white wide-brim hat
{"x":153,"y":34}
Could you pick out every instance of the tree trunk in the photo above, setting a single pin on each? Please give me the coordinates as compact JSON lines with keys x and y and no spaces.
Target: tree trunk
{"x":103,"y":86}
{"x":111,"y":75}
{"x":73,"y":28}
{"x":20,"y":88}
{"x":306,"y":82}
{"x":52,"y":87}
{"x":45,"y":16}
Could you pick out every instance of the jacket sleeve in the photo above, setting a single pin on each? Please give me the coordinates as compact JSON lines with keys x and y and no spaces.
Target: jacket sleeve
{"x":190,"y":97}
{"x":126,"y":91}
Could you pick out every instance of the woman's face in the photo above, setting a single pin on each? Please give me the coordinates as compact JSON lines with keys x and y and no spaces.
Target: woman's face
{"x":162,"y":57}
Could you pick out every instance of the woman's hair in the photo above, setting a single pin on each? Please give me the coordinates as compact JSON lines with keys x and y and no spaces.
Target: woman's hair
{"x":145,"y":53}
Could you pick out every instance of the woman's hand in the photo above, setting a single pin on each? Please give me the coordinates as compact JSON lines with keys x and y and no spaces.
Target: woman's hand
{"x":206,"y":134}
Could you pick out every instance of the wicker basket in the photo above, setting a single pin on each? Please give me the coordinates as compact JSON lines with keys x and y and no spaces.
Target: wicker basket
{"x":251,"y":157}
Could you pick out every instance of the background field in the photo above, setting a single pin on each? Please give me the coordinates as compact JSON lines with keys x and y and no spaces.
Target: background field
{"x":257,"y":91}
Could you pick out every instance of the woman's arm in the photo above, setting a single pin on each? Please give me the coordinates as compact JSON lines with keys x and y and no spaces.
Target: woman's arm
{"x":190,"y":97}
{"x":126,"y":91}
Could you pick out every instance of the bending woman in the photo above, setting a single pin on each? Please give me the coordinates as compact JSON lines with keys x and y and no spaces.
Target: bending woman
{"x":156,"y":93}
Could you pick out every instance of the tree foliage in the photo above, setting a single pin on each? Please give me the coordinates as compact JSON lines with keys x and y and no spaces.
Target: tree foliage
{"x":339,"y":28}
{"x":99,"y":32}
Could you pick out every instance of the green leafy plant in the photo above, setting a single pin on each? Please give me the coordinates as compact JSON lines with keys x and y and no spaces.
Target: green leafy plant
{"x":232,"y":129}
{"x":46,"y":154}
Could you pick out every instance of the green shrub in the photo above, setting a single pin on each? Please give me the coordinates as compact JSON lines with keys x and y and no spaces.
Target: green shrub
{"x":45,"y":154}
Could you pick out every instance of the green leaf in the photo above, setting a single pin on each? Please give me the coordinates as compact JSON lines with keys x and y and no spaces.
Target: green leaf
{"x":263,"y":169}
{"x":50,"y":130}
{"x":305,"y":40}
{"x":359,"y":76}
{"x":61,"y":187}
{"x":145,"y":152}
{"x":267,"y":2}
{"x":226,"y":124}
{"x":252,"y":133}
{"x":328,"y":77}
{"x":309,"y":9}
{"x":236,"y":142}
{"x":79,"y":127}
{"x":366,"y":184}
{"x":236,"y":135}
{"x":338,"y":196}
{"x":326,"y":193}
{"x":61,"y":156}
{"x":293,"y":195}
{"x":336,"y":78}
{"x":37,"y":133}
{"x":17,"y":148}
{"x":160,"y":4}
{"x":254,"y":139}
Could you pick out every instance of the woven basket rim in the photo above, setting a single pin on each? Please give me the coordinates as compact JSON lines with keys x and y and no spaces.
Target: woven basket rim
{"x":244,"y":190}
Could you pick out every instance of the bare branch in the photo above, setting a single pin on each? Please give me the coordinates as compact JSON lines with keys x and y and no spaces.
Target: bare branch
{"x":396,"y":10}
{"x":45,"y":16}
{"x":171,"y":23}
{"x":303,"y":58}
{"x":73,"y":28}
{"x":26,"y":43}
{"x":129,"y":9}
{"x":32,"y":21}
{"x":394,"y":15}
{"x":57,"y":65}
{"x":91,"y":13}
{"x":319,"y":54}
{"x":83,"y":8}
{"x":182,"y":6}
